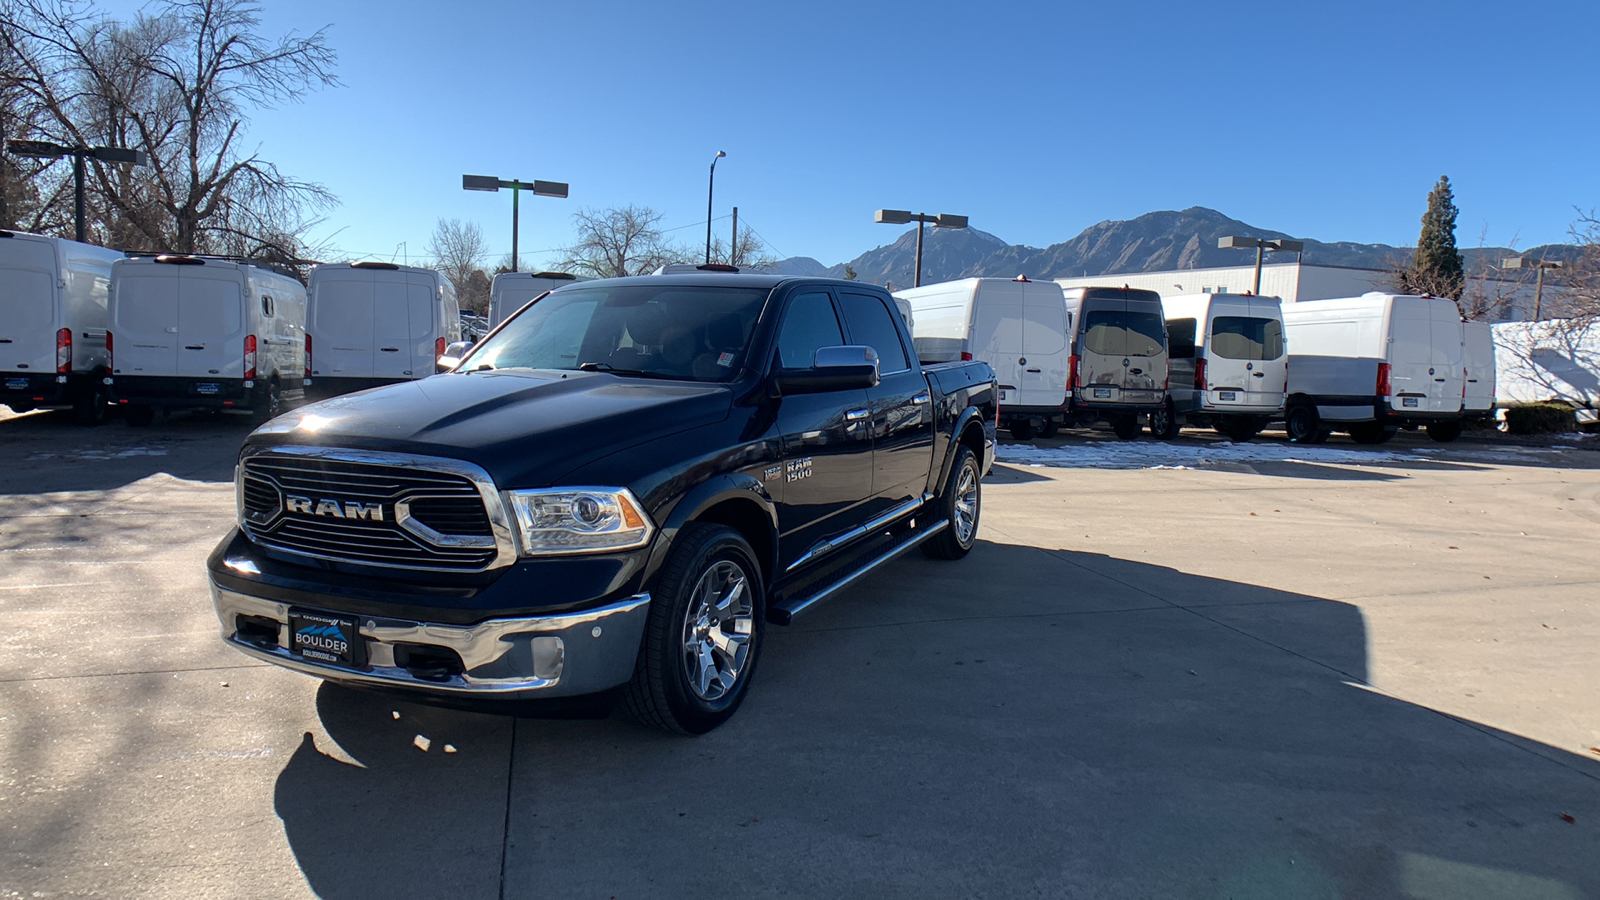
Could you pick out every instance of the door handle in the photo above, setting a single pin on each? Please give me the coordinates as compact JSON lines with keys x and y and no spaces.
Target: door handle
{"x":194,"y":346}
{"x":1033,"y":371}
{"x":1438,"y":379}
{"x":856,"y":415}
{"x":390,"y":349}
{"x":922,"y":398}
{"x":1259,"y":374}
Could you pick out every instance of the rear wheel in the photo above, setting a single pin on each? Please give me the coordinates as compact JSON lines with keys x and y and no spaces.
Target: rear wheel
{"x":960,"y":506}
{"x":269,"y":405}
{"x":1164,"y":422}
{"x":1303,"y":424}
{"x":1126,"y":426}
{"x":1049,"y":429}
{"x":1022,"y":430}
{"x":1241,"y":428}
{"x":1371,"y":433}
{"x":1445,"y":432}
{"x":703,"y":638}
{"x":90,"y":408}
{"x":139,"y":416}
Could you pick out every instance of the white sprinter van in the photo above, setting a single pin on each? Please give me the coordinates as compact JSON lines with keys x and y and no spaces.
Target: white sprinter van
{"x":1118,"y":368}
{"x":204,"y":332}
{"x":1229,"y":365}
{"x":376,"y":323}
{"x":1368,"y":365}
{"x":511,"y":291}
{"x":1477,"y":345}
{"x":53,"y":324}
{"x":1019,"y":327}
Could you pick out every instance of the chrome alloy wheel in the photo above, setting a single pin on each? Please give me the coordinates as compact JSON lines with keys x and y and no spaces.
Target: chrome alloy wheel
{"x":717,"y":629}
{"x":966,"y":511}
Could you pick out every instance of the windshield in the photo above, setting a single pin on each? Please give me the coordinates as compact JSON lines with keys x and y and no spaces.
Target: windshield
{"x":669,"y":331}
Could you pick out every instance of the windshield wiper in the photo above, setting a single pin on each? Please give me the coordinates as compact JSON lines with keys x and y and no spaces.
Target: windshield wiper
{"x":613,"y":370}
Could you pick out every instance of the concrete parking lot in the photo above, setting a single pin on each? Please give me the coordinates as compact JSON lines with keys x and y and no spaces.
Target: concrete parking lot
{"x":1365,"y":673}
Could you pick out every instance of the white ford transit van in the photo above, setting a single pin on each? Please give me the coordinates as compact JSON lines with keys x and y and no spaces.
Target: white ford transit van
{"x":1118,"y":368}
{"x":53,"y":324}
{"x":1229,"y":365}
{"x":376,"y":323}
{"x":1019,"y":327}
{"x":1370,"y":364}
{"x":206,"y":332}
{"x":511,"y":291}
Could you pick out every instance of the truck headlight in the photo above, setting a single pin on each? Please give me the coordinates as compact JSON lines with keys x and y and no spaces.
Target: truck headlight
{"x":553,"y":521}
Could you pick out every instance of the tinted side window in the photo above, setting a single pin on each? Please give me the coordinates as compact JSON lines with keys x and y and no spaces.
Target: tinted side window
{"x":809,"y":326}
{"x":1246,"y":337}
{"x":1180,"y":338}
{"x":870,"y":324}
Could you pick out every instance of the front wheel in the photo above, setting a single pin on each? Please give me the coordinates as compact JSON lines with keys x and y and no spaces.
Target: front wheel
{"x":1126,"y":426}
{"x":704,"y":635}
{"x":1164,"y":422}
{"x":1022,"y":430}
{"x":1049,"y":429}
{"x":1444,"y":432}
{"x":959,"y":506}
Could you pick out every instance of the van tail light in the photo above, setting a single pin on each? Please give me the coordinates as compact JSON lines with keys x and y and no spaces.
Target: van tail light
{"x":438,"y":348}
{"x":308,"y":355}
{"x":1200,"y":374}
{"x":1072,"y":373}
{"x":64,"y":351}
{"x":249,"y":357}
{"x":109,"y":367}
{"x":1385,"y":389}
{"x":1463,"y":386}
{"x":966,"y":356}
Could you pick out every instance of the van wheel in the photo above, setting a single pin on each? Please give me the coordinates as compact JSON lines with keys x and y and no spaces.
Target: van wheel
{"x":1126,"y":426}
{"x":270,"y":405}
{"x":1371,"y":433}
{"x":1444,"y":432}
{"x":703,"y":638}
{"x":960,"y":504}
{"x":1022,"y":430}
{"x":1304,"y":425}
{"x":1164,"y":423}
{"x":90,"y":408}
{"x":1049,"y":429}
{"x":1241,"y":428}
{"x":139,"y":416}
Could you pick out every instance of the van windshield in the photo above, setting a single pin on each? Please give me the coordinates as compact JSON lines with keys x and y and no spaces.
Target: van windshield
{"x":689,"y":333}
{"x":1119,"y":332}
{"x":1246,"y":337}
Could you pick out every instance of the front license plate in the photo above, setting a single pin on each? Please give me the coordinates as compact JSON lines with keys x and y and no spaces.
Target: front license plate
{"x":323,"y":638}
{"x":1408,"y":401}
{"x":1102,"y":392}
{"x":16,"y":384}
{"x":207,"y":388}
{"x":1227,"y":395}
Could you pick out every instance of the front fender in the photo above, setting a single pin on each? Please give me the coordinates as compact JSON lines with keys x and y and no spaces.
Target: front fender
{"x":733,"y":487}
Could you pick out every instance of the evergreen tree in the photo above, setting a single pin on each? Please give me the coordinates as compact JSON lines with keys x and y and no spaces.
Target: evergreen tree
{"x":1437,"y":268}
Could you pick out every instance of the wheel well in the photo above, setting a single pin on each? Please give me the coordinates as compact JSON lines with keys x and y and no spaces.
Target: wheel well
{"x":750,"y":520}
{"x":972,"y":439}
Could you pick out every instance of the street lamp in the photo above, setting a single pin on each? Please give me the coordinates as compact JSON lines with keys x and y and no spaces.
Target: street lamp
{"x":902,"y":217}
{"x":491,"y":183}
{"x":1261,"y":245}
{"x":1523,"y":262}
{"x":711,"y":185}
{"x":50,"y":150}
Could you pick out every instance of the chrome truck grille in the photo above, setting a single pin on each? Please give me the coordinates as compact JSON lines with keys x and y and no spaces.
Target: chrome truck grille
{"x":390,"y":510}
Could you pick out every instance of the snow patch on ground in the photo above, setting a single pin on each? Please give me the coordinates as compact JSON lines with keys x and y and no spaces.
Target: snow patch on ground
{"x":1153,"y":455}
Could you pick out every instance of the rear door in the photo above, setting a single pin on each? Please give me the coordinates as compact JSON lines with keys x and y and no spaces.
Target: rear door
{"x":29,"y":316}
{"x":1043,"y":378}
{"x":1449,"y":357}
{"x":901,"y":407}
{"x":1478,"y":349}
{"x":144,"y":319}
{"x":1246,"y":365}
{"x":1123,"y":355}
{"x":997,"y":324}
{"x":1411,"y":355}
{"x":341,"y":325}
{"x":211,"y":321}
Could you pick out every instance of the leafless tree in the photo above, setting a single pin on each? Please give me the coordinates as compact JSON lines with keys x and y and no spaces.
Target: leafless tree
{"x":751,"y":252}
{"x":1580,"y":297}
{"x":459,"y":248}
{"x":613,"y":243}
{"x":176,"y":82}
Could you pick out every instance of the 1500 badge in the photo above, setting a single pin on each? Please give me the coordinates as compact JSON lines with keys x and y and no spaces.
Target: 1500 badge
{"x":796,"y":469}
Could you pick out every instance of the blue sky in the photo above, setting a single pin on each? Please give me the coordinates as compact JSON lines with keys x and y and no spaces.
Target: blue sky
{"x":1036,"y":120}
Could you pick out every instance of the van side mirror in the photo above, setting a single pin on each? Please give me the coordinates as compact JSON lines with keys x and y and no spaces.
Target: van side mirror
{"x":846,"y":368}
{"x":452,"y":355}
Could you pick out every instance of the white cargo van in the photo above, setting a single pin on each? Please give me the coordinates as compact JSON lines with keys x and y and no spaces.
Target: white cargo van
{"x":376,"y":323}
{"x":1019,"y":327}
{"x":511,"y":291}
{"x":1228,"y":361}
{"x":1477,"y":345}
{"x":53,"y":323}
{"x":204,"y":332}
{"x":1550,"y":360}
{"x":1118,"y":368}
{"x":1368,"y":365}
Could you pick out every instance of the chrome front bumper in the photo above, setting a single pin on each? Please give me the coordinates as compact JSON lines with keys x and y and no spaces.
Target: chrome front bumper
{"x":546,"y":656}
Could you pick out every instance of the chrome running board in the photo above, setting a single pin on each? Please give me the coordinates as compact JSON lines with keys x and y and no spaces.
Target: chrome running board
{"x":784,"y":612}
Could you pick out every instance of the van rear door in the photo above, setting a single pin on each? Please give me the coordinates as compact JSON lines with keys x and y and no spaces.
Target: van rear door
{"x":1411,"y":355}
{"x":1449,"y":357}
{"x":1123,"y":355}
{"x":997,"y":339}
{"x":210,"y":323}
{"x":342,"y":326}
{"x":29,"y":317}
{"x":1478,"y":350}
{"x":1042,"y":380}
{"x":1246,"y":366}
{"x":144,"y":323}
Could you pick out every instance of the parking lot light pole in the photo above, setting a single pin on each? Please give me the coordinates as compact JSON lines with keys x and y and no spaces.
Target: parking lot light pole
{"x":1539,"y":265}
{"x":539,"y":189}
{"x":902,"y":217}
{"x":1261,"y":245}
{"x":711,"y":185}
{"x":51,"y":150}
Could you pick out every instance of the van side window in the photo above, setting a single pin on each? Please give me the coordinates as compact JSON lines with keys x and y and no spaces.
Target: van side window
{"x":266,"y":306}
{"x":1247,"y":337}
{"x":809,"y":325}
{"x":871,"y":324}
{"x":1180,"y":338}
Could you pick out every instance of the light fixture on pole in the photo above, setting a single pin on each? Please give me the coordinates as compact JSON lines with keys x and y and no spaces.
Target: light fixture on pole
{"x":1523,"y":262}
{"x":902,"y":217}
{"x":711,"y":185}
{"x":491,"y":183}
{"x":1261,"y":245}
{"x":50,"y":150}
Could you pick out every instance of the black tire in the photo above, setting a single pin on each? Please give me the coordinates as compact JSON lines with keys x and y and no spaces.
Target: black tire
{"x":139,"y":416}
{"x":1303,"y":425}
{"x":1371,"y":433}
{"x":1164,"y":423}
{"x":269,"y":405}
{"x":1445,"y":432}
{"x":661,"y":693}
{"x":1126,"y":426}
{"x":956,"y":540}
{"x":1049,"y":429}
{"x":90,"y":408}
{"x":1022,"y":430}
{"x":1241,"y":429}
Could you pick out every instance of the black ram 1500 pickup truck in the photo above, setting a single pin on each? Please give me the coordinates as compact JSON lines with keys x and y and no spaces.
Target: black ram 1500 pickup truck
{"x":616,"y":489}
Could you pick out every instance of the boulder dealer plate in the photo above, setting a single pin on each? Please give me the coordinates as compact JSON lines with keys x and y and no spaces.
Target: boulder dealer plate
{"x":321,"y":637}
{"x":17,"y":384}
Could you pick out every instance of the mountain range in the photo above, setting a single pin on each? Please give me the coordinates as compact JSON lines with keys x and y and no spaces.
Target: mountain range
{"x":1184,"y":239}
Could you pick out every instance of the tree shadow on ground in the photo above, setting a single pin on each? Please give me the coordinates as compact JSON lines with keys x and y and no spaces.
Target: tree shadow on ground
{"x":1024,"y":722}
{"x":47,"y":452}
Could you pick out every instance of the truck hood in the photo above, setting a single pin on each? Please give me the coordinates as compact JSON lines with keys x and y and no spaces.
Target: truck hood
{"x":527,"y":428}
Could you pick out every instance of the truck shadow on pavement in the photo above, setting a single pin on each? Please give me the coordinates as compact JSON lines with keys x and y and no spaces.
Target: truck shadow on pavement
{"x":1029,"y":721}
{"x":47,"y":451}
